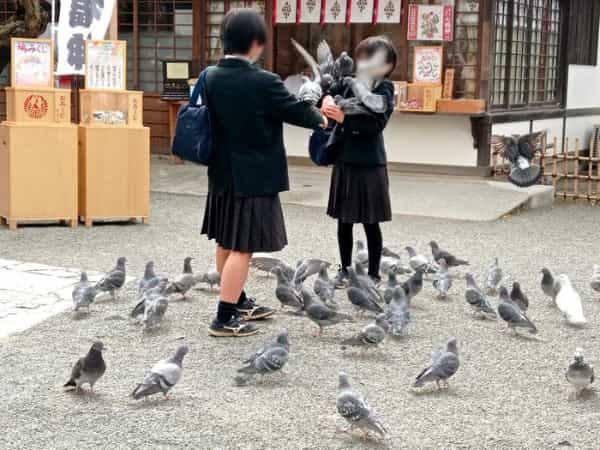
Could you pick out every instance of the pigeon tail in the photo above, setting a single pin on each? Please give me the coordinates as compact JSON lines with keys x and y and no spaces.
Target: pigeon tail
{"x":525,"y":177}
{"x":70,"y":383}
{"x":144,"y":390}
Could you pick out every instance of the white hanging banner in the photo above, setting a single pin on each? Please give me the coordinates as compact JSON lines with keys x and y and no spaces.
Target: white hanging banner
{"x":387,"y":11}
{"x":334,"y":11}
{"x":284,"y":11}
{"x":309,"y":11}
{"x":360,"y":11}
{"x":80,"y":20}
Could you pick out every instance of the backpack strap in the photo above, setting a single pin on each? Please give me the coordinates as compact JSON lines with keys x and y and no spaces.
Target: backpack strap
{"x":199,"y":88}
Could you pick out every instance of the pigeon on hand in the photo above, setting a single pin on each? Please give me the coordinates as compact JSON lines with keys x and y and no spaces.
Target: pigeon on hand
{"x":212,"y":278}
{"x":361,"y":254}
{"x":595,"y":281}
{"x":183,"y":282}
{"x":519,"y":297}
{"x":88,"y":369}
{"x":477,"y":299}
{"x":355,"y":410}
{"x":311,"y":91}
{"x":154,"y":311}
{"x":320,"y":314}
{"x":419,"y":262}
{"x":343,"y":67}
{"x":270,"y":358}
{"x":392,"y":284}
{"x":284,"y":291}
{"x":569,"y":302}
{"x":580,"y":373}
{"x":398,"y":313}
{"x":149,"y":280}
{"x":371,"y":335}
{"x":359,"y":296}
{"x":451,"y":260}
{"x":442,"y":281}
{"x":163,"y":376}
{"x":113,"y":280}
{"x":512,"y":314}
{"x":444,"y":364}
{"x":494,"y":277}
{"x":520,"y":151}
{"x":148,"y":297}
{"x":83,"y":293}
{"x":549,"y":285}
{"x":324,"y":287}
{"x":413,"y":285}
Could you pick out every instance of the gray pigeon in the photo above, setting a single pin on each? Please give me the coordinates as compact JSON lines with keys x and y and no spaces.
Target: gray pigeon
{"x":320,"y":314}
{"x":512,"y":314}
{"x":270,"y":358}
{"x":163,"y":376}
{"x":325,"y":288}
{"x":518,"y":296}
{"x":267,"y":264}
{"x":83,"y":293}
{"x":306,"y":268}
{"x":371,"y":335}
{"x":595,"y":281}
{"x":413,"y":285}
{"x":368,"y":283}
{"x":419,"y":262}
{"x":550,"y":287}
{"x":398,"y":313}
{"x":183,"y":282}
{"x":311,"y":91}
{"x":212,"y":278}
{"x":113,"y":280}
{"x":444,"y":364}
{"x":442,"y":281}
{"x":360,"y":297}
{"x":580,"y":373}
{"x":391,"y":263}
{"x":149,"y":280}
{"x":361,"y":254}
{"x":392,"y":284}
{"x":355,"y":410}
{"x":493,"y":278}
{"x":154,"y":311}
{"x":284,"y":291}
{"x":148,"y":297}
{"x":477,"y":299}
{"x":88,"y":369}
{"x":451,"y":260}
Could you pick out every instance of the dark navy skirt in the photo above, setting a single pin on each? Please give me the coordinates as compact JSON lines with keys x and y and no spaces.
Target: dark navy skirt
{"x":359,"y":194}
{"x":244,"y":224}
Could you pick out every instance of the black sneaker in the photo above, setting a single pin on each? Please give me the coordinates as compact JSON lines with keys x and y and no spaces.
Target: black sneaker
{"x":249,"y":310}
{"x":341,"y":279}
{"x":235,"y":327}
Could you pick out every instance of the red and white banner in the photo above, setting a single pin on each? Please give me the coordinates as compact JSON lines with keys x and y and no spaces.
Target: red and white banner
{"x":430,"y":22}
{"x":334,"y":11}
{"x":284,"y":11}
{"x":309,"y":11}
{"x":387,"y":11}
{"x":360,"y":11}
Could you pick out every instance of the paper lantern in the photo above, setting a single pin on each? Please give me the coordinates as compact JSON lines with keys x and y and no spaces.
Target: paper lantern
{"x":309,"y":11}
{"x":360,"y":11}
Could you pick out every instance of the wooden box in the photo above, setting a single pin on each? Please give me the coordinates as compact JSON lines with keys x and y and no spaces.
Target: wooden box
{"x":38,"y":173}
{"x":38,"y":105}
{"x":114,"y":173}
{"x":422,"y":97}
{"x":461,"y":106}
{"x":116,"y":108}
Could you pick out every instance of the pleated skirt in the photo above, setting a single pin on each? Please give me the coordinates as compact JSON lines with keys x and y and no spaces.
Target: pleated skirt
{"x":359,"y":194}
{"x":244,"y":224}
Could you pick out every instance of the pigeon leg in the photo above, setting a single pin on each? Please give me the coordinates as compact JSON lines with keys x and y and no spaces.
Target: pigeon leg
{"x":166,"y":396}
{"x":437,"y":382}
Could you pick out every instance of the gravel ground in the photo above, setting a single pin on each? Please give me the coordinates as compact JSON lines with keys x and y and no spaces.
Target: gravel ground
{"x":509,"y":392}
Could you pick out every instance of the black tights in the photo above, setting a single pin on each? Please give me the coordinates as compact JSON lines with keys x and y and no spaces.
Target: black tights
{"x":374,"y":244}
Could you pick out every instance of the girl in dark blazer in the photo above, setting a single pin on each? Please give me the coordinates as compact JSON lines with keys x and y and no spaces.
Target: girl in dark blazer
{"x":247,"y":107}
{"x":359,"y":191}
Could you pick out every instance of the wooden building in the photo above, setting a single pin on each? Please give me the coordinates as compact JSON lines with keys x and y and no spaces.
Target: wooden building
{"x":526,"y":58}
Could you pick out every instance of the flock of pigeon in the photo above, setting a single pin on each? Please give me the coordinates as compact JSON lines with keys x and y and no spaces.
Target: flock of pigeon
{"x":389,"y":303}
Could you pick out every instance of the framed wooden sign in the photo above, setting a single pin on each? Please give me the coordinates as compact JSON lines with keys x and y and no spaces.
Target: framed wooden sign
{"x":430,"y":22}
{"x":32,"y":63}
{"x":448,"y":83}
{"x":106,"y":65}
{"x":428,"y":64}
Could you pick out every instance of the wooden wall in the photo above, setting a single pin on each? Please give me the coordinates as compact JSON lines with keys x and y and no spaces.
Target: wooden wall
{"x":157,"y":118}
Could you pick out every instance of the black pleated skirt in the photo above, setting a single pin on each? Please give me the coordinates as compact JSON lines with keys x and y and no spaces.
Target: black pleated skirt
{"x":359,"y":194}
{"x":245,"y":224}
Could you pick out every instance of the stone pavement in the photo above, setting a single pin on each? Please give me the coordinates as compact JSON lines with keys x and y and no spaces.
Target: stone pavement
{"x":445,"y":197}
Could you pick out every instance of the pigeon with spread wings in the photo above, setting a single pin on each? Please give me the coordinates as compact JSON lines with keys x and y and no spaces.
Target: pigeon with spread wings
{"x":520,"y":152}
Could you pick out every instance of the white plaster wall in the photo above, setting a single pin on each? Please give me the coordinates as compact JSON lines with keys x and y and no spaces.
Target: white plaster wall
{"x":413,"y":138}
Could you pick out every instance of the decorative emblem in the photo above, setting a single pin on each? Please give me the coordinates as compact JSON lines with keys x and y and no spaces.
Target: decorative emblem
{"x":311,"y":5}
{"x":335,"y":9}
{"x":287,"y":10}
{"x":389,"y":9}
{"x":361,"y":4}
{"x":35,"y":106}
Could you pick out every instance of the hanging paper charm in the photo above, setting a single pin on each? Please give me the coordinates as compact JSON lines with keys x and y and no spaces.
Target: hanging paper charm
{"x":387,"y":11}
{"x":334,"y":11}
{"x":309,"y":11}
{"x":284,"y":11}
{"x":360,"y":11}
{"x":430,"y":22}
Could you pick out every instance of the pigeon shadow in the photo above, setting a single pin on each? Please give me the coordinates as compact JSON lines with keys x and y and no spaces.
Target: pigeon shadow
{"x":367,"y":355}
{"x":363,"y":441}
{"x":79,"y":315}
{"x":433,"y":391}
{"x":157,"y":401}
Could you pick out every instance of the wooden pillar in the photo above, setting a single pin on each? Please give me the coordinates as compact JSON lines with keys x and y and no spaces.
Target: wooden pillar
{"x":481,"y":129}
{"x":485,"y":50}
{"x":269,"y":48}
{"x":113,"y":26}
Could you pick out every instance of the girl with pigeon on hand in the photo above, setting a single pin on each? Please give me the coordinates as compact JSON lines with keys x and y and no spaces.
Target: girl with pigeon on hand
{"x":247,"y":107}
{"x":359,"y":191}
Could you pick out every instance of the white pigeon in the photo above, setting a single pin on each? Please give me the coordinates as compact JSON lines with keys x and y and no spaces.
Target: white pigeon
{"x":163,"y":376}
{"x":569,"y":302}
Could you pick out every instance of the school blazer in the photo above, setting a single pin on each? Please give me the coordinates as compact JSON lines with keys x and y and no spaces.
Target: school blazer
{"x":247,"y":108}
{"x":359,"y":139}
